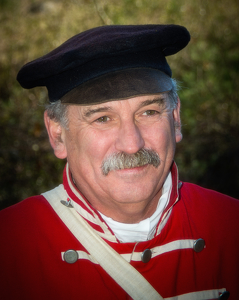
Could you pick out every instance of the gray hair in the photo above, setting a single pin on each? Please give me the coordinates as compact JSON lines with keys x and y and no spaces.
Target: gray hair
{"x":173,"y":94}
{"x":57,"y":111}
{"x":120,"y":161}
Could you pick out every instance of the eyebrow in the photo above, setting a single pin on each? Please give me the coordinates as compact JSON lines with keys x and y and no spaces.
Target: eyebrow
{"x":158,"y":100}
{"x":90,"y":111}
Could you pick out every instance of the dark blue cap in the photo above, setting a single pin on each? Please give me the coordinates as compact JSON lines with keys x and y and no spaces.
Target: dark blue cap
{"x":102,"y":51}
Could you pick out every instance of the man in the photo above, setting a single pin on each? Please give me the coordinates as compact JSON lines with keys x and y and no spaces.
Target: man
{"x":122,"y":226}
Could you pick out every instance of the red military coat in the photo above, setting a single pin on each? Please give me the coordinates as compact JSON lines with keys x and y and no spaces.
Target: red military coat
{"x":33,"y":241}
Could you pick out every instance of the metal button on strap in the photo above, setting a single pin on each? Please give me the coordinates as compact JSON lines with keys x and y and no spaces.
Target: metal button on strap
{"x":70,"y":256}
{"x":66,"y":203}
{"x":224,"y":296}
{"x":146,"y":255}
{"x":199,"y":245}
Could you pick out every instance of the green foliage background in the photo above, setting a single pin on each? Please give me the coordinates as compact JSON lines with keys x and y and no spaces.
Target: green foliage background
{"x":208,"y":71}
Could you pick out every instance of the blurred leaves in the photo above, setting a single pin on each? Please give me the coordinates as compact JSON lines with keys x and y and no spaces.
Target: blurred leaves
{"x":208,"y":72}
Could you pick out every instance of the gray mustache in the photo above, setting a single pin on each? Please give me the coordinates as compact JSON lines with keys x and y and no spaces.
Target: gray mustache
{"x":120,"y":161}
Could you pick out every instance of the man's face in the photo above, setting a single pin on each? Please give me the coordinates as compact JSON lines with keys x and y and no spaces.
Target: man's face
{"x":96,"y":132}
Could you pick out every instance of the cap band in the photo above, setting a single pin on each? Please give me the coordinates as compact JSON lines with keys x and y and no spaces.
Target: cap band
{"x":119,"y":85}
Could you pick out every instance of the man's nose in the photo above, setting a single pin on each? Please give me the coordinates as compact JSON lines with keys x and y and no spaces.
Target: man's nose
{"x":129,"y":139}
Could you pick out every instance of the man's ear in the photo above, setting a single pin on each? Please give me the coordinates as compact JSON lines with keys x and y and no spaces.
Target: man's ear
{"x":177,"y":122}
{"x":56,"y":136}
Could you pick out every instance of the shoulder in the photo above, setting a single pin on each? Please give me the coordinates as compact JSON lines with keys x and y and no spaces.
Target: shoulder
{"x":27,"y":207}
{"x":25,"y":217}
{"x":210,"y":205}
{"x":189,"y":190}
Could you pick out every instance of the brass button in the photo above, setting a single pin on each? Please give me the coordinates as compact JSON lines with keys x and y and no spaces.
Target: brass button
{"x":70,"y":256}
{"x":224,"y":296}
{"x":199,"y":245}
{"x":146,"y":255}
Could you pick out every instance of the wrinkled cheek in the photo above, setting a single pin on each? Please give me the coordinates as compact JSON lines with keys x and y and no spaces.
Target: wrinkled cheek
{"x":166,"y":146}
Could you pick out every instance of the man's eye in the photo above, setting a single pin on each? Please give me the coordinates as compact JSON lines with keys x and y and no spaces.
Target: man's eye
{"x":102,"y":119}
{"x":150,"y":112}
